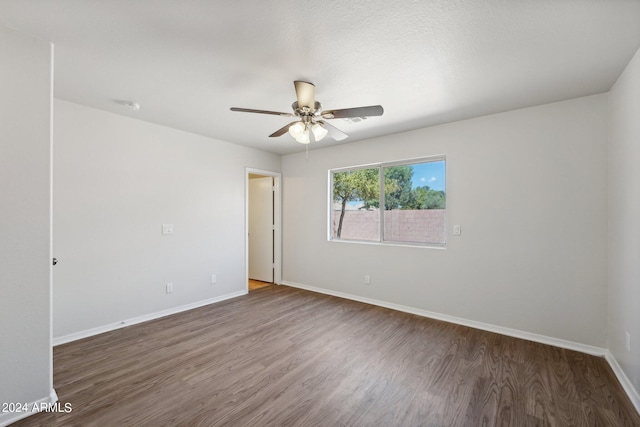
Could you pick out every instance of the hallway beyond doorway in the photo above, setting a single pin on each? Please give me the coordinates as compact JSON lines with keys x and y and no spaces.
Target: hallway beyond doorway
{"x":256,"y":284}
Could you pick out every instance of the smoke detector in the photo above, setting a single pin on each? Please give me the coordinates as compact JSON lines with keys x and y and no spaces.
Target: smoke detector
{"x":130,"y":105}
{"x":133,"y":106}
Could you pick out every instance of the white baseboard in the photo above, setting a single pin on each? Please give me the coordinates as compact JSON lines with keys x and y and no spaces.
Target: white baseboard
{"x":624,"y":380}
{"x":152,"y":316}
{"x":557,"y":342}
{"x":7,"y":418}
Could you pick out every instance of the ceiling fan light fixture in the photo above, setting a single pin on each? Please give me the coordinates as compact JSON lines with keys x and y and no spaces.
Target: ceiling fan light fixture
{"x":296,"y":130}
{"x":319,"y":131}
{"x":304,"y":138}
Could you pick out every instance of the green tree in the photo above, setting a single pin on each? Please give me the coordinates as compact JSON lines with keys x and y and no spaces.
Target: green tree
{"x":426,"y":198}
{"x":364,"y":185}
{"x":397,"y":188}
{"x":348,"y":186}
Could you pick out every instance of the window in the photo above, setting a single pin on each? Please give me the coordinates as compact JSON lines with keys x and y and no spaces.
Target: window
{"x":399,"y":202}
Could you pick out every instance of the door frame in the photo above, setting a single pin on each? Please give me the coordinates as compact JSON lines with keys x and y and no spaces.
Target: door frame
{"x":277,"y":222}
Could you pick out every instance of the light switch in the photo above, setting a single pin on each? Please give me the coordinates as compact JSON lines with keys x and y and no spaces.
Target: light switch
{"x":167,"y":228}
{"x":456,"y":230}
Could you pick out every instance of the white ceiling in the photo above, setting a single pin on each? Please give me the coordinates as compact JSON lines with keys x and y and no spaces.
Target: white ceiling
{"x":425,"y":61}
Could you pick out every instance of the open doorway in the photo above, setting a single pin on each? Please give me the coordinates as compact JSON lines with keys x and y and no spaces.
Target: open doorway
{"x":263,"y":228}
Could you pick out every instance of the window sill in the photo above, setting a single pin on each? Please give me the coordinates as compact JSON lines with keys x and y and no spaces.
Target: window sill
{"x":440,"y":246}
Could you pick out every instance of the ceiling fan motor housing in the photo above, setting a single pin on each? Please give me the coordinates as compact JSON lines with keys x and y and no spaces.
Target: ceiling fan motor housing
{"x":306,"y":111}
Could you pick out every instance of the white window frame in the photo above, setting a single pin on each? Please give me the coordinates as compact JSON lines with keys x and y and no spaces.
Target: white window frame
{"x":380,"y":166}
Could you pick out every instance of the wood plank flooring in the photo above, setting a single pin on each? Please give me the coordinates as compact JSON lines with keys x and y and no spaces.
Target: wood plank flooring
{"x":286,"y":357}
{"x":257,"y":284}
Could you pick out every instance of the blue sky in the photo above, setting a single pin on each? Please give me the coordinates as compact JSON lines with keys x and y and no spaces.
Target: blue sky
{"x":431,"y":174}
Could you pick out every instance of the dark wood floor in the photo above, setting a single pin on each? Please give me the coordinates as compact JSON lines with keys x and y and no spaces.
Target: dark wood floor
{"x":282,"y":356}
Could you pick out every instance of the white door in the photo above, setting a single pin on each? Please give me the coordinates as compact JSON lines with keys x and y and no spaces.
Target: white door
{"x":261,"y":229}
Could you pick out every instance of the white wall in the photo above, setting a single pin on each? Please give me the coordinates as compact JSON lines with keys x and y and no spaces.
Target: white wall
{"x":624,"y":220}
{"x":116,"y":181}
{"x":25,"y":219}
{"x":528,"y":188}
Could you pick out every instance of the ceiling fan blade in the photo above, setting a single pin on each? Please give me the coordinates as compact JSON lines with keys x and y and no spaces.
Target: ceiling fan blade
{"x":334,"y":132}
{"x":305,"y":92}
{"x":373,"y":110}
{"x":282,"y":130}
{"x":250,"y":110}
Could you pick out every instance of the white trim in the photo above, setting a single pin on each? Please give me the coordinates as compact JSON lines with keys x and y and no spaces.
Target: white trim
{"x":11,"y":417}
{"x":113,"y":326}
{"x":439,"y":246}
{"x":50,"y":260}
{"x":409,"y":161}
{"x":380,"y":166}
{"x":557,"y":342}
{"x":277,"y":213}
{"x":624,"y":380}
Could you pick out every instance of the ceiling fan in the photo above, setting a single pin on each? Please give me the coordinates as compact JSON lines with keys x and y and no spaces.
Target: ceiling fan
{"x":310,"y":114}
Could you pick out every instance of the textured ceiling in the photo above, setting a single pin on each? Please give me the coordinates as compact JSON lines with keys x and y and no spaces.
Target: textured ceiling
{"x":425,"y":61}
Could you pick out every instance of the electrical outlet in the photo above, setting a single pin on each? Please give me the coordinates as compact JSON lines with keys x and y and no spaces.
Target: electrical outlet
{"x":169,"y":288}
{"x":367,"y":280}
{"x":628,"y":341}
{"x":214,"y":279}
{"x":167,"y":228}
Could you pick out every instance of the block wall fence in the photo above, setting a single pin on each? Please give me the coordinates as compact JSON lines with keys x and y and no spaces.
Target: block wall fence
{"x":426,"y":225}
